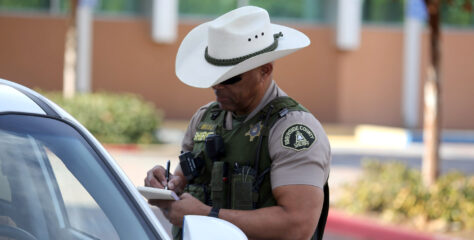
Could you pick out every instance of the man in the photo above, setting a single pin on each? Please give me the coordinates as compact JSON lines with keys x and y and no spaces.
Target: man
{"x":261,"y":158}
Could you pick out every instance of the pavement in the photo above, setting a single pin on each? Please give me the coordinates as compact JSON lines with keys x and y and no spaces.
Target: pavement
{"x":350,"y":145}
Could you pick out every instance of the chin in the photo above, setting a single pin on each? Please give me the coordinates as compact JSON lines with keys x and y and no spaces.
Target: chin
{"x":226,"y":107}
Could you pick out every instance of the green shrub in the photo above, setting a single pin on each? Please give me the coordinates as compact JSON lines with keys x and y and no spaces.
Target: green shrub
{"x":398,"y":194}
{"x":113,"y":118}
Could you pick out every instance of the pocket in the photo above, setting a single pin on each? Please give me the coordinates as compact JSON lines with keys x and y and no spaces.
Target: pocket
{"x":219,"y":184}
{"x":242,"y":189}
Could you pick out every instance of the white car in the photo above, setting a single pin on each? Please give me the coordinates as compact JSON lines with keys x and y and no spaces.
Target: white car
{"x":58,"y":182}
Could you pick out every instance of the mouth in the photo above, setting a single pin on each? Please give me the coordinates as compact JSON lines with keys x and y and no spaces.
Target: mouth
{"x":220,"y":97}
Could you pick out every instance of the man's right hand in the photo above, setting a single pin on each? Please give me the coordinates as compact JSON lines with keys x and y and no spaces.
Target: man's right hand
{"x":156,"y":178}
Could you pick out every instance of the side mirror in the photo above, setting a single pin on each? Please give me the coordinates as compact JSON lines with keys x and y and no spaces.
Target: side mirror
{"x":210,"y":228}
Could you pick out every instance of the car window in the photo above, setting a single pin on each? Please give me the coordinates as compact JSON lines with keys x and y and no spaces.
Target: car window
{"x":57,"y":187}
{"x":83,"y":213}
{"x":5,"y":193}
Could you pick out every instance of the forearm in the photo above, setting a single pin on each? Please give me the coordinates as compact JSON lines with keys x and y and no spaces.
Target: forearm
{"x":295,"y":216}
{"x":270,"y":223}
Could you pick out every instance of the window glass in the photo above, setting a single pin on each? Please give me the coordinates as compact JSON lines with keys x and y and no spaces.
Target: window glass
{"x":383,"y":11}
{"x":306,"y":10}
{"x":458,"y":12}
{"x":209,"y":8}
{"x":38,"y":5}
{"x":5,"y":192}
{"x":83,"y":213}
{"x":59,"y":187}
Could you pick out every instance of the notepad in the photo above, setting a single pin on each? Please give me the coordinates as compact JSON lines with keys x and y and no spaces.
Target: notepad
{"x":157,"y":193}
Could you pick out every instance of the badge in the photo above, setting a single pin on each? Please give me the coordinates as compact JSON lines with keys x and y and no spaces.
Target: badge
{"x":254,"y":131}
{"x":298,"y":137}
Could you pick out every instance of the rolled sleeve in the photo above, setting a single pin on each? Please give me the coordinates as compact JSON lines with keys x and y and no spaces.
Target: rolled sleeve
{"x":188,"y":143}
{"x":309,"y":166}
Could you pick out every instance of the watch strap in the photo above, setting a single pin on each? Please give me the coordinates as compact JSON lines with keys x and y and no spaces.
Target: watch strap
{"x":214,"y":212}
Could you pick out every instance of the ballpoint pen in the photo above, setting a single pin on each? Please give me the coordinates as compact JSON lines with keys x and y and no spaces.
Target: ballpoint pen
{"x":167,"y":174}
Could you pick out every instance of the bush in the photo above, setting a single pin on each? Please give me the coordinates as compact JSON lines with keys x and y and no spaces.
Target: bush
{"x":113,"y":118}
{"x":398,"y":194}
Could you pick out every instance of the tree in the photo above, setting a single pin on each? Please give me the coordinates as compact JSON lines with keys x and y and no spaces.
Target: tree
{"x":70,"y":53}
{"x":432,"y":103}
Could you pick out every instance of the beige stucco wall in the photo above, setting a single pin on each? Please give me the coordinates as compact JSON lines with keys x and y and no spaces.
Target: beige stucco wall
{"x":362,"y":86}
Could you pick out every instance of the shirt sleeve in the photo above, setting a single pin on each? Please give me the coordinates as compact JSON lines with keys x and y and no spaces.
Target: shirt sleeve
{"x":300,"y":151}
{"x":187,"y":144}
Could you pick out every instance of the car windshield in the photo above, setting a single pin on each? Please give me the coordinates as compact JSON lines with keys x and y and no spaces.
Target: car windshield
{"x":53,"y":185}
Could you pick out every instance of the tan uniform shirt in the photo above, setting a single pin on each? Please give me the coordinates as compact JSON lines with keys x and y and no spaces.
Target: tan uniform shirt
{"x":289,"y":166}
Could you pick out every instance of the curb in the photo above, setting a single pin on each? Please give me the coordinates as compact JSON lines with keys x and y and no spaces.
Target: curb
{"x":362,"y":228}
{"x":374,"y":135}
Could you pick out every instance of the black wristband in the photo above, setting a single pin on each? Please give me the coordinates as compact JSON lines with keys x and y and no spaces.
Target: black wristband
{"x":214,"y":212}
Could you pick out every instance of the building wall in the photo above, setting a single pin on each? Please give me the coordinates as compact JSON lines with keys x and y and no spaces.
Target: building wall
{"x":370,"y":79}
{"x":32,"y":50}
{"x":362,"y":86}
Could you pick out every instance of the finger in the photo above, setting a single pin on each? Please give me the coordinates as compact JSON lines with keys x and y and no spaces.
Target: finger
{"x":162,"y":204}
{"x":149,"y":176}
{"x":159,"y":174}
{"x":174,"y":183}
{"x":155,"y":177}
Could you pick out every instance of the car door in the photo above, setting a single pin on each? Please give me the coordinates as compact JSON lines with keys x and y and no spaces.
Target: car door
{"x":55,"y":185}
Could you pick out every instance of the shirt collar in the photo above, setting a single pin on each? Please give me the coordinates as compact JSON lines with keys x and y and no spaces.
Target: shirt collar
{"x":272,"y":92}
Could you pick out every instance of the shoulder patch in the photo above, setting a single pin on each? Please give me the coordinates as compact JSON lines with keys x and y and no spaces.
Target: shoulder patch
{"x":298,"y":137}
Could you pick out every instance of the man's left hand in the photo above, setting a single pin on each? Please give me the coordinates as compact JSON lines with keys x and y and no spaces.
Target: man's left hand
{"x":174,"y":211}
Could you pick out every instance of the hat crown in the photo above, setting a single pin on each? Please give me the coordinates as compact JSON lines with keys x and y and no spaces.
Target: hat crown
{"x":240,"y":32}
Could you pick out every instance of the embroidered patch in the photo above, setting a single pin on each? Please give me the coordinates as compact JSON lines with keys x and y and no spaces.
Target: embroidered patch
{"x":298,"y":137}
{"x":201,"y":136}
{"x":207,"y":127}
{"x":254,"y":130}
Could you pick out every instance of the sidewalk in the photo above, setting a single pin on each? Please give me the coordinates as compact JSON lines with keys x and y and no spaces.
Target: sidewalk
{"x":347,"y":150}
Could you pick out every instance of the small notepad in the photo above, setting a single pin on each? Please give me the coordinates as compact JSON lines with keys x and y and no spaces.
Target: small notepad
{"x":157,"y":193}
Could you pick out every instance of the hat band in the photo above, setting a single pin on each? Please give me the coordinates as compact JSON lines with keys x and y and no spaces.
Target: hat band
{"x":234,"y":61}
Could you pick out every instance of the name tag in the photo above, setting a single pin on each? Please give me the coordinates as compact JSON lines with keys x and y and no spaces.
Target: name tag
{"x":207,"y":127}
{"x":200,"y":136}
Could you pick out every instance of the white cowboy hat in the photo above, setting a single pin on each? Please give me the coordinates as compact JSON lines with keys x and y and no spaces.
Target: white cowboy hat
{"x":233,"y":43}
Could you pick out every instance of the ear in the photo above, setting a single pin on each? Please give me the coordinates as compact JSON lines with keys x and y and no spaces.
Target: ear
{"x":266,"y":70}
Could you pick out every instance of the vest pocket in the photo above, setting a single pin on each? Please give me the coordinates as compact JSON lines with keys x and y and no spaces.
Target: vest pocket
{"x":219,"y":184}
{"x":242,"y":189}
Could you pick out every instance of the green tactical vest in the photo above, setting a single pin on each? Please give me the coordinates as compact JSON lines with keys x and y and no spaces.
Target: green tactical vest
{"x":233,"y":181}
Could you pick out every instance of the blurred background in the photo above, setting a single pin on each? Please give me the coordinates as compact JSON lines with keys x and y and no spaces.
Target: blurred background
{"x":352,"y":73}
{"x":364,"y":76}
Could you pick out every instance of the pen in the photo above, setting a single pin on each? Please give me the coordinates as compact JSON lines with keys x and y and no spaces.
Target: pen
{"x":167,"y":174}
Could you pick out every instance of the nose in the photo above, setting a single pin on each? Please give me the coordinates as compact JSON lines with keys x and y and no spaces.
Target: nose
{"x":218,"y":86}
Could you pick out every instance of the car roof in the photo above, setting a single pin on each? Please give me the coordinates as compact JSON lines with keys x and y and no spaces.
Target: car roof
{"x":12,"y":100}
{"x":19,"y":99}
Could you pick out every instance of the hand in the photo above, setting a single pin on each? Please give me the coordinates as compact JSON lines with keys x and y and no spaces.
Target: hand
{"x":174,"y":211}
{"x":156,"y":178}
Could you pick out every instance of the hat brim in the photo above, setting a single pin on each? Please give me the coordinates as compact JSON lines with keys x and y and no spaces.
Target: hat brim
{"x":192,"y":68}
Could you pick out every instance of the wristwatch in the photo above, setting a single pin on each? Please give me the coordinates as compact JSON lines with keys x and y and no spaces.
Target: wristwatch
{"x":214,"y":212}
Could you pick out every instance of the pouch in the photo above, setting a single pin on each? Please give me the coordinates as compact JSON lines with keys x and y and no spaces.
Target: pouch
{"x":219,"y":184}
{"x":242,"y":188}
